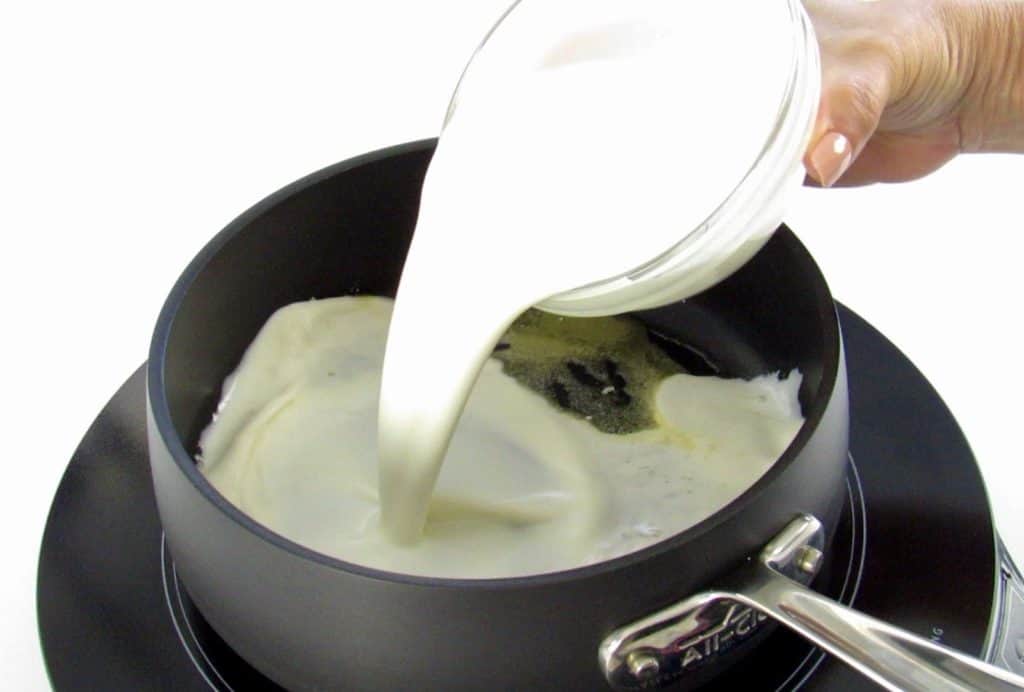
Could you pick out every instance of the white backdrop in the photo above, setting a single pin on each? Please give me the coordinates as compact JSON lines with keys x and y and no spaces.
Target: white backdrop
{"x":131,"y":132}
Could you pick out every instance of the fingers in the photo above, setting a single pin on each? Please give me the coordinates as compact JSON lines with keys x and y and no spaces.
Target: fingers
{"x":854,"y":95}
{"x":899,"y":157}
{"x":827,"y":160}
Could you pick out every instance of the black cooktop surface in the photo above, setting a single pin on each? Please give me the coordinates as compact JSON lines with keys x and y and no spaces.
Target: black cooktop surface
{"x":915,"y":547}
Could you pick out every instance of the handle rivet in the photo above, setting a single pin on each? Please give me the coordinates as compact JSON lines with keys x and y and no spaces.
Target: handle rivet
{"x":642,"y":666}
{"x":808,"y":560}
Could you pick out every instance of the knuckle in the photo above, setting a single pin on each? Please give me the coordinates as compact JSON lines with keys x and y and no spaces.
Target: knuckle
{"x":860,"y":99}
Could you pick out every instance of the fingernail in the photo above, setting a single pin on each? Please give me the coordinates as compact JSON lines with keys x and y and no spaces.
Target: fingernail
{"x":830,"y":158}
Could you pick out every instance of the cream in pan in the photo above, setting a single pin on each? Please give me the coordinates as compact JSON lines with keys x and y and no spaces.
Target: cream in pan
{"x":526,"y":487}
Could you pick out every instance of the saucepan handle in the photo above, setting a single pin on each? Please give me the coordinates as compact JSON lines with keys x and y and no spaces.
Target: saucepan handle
{"x":665,"y":646}
{"x":894,"y":658}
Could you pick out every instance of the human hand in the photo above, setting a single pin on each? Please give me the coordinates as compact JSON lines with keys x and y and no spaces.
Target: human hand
{"x":909,"y":84}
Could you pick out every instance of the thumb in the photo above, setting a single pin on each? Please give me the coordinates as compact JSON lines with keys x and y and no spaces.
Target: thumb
{"x":853,"y":97}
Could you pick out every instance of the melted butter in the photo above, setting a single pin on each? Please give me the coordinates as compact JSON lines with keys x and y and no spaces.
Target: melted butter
{"x":526,"y":487}
{"x":604,"y":370}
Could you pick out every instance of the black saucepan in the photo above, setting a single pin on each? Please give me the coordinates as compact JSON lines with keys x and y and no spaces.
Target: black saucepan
{"x":311,"y":622}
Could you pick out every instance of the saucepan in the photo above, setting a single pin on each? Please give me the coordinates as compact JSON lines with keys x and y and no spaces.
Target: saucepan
{"x":312,"y":622}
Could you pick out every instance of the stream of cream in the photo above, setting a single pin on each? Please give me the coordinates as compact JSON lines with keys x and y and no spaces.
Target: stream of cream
{"x":586,"y":138}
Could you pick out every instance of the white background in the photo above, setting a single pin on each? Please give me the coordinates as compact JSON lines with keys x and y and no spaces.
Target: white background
{"x":130,"y":133}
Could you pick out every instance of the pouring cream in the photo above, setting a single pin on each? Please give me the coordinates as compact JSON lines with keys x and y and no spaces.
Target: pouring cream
{"x":585,"y":139}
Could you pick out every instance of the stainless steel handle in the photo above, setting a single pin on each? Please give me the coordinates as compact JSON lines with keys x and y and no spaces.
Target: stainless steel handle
{"x":657,"y":649}
{"x":894,"y":658}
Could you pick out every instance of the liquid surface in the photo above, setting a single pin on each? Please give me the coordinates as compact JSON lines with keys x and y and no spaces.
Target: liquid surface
{"x":586,"y":139}
{"x":529,"y":486}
